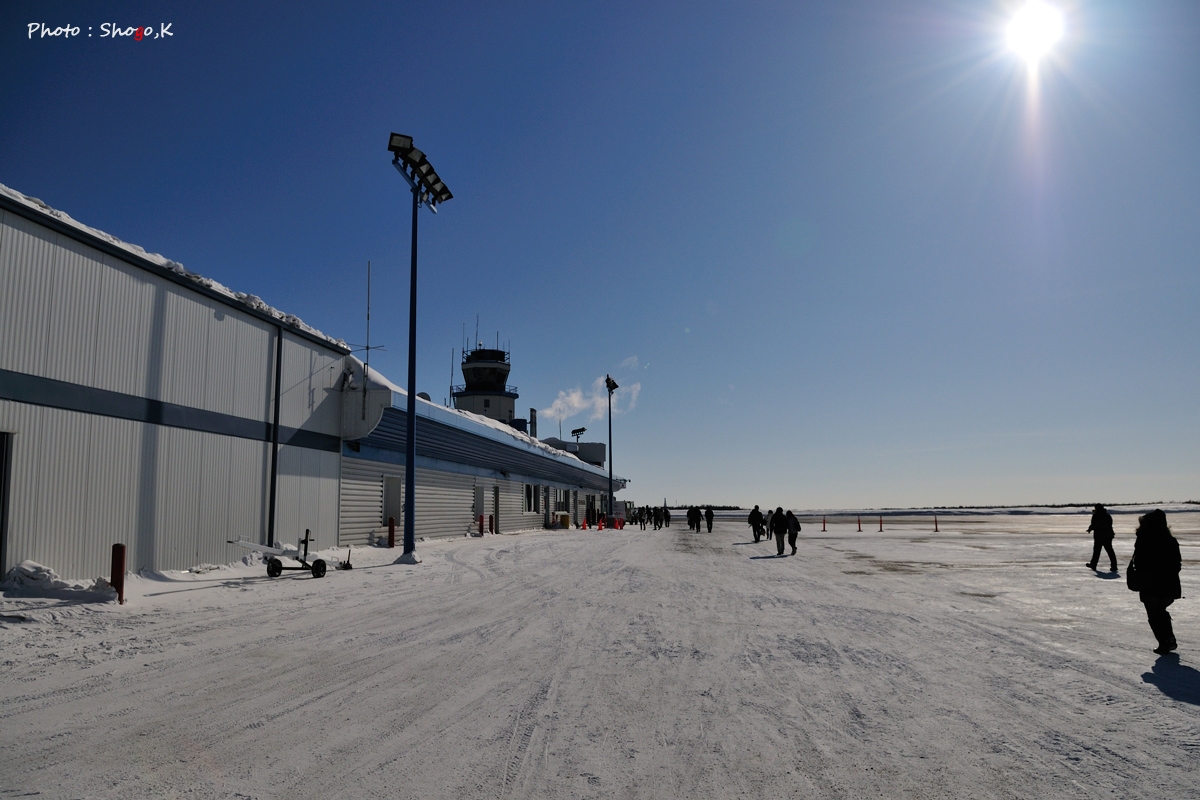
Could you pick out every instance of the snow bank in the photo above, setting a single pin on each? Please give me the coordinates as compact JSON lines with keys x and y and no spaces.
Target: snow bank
{"x":31,"y":575}
{"x":253,"y":301}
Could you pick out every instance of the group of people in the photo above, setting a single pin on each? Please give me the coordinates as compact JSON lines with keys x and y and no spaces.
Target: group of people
{"x":695,"y":516}
{"x":775,"y":523}
{"x":658,"y":516}
{"x":1153,"y":571}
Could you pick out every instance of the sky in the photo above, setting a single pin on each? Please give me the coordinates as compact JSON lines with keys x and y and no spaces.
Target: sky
{"x":837,"y":254}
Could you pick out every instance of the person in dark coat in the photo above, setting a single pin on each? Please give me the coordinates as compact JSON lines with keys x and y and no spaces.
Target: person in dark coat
{"x":793,"y":529}
{"x":1156,"y":564}
{"x":779,"y":527}
{"x":666,"y":516}
{"x":693,"y":518}
{"x":708,"y":517}
{"x":756,"y":522}
{"x":1102,"y":535}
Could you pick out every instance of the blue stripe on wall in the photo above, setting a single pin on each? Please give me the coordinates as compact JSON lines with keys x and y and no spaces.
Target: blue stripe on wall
{"x":35,"y":390}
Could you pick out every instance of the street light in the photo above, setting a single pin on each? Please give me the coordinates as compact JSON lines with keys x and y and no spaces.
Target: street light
{"x":427,"y":189}
{"x":612,"y":387}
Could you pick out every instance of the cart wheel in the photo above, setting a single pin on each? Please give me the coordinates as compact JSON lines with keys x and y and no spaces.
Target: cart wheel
{"x":274,"y":568}
{"x":318,"y":568}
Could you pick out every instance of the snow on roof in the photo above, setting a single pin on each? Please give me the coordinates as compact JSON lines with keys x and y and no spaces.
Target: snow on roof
{"x":250,"y":300}
{"x":490,"y":428}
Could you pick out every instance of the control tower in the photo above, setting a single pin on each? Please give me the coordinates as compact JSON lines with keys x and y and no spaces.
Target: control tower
{"x":485,"y":391}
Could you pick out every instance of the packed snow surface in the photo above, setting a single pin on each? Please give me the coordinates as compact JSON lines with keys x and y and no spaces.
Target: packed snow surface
{"x":983,"y":661}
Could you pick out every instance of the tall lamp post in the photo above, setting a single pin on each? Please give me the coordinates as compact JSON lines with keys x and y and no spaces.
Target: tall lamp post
{"x":427,"y":189}
{"x":612,"y":387}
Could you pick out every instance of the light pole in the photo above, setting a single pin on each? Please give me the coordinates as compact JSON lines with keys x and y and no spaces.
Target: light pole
{"x":427,"y":188}
{"x":612,"y":387}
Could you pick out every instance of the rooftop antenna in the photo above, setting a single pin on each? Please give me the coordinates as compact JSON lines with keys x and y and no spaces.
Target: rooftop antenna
{"x":451,"y":377}
{"x":477,"y":330}
{"x":367,"y":365}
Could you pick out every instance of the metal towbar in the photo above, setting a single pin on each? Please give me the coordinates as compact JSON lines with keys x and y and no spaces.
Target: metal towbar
{"x":275,"y":567}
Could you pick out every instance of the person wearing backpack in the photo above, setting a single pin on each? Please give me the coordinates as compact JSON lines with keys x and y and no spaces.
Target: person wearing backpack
{"x":1154,"y":574}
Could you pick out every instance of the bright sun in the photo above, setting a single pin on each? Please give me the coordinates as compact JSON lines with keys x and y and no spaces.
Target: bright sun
{"x":1034,"y":30}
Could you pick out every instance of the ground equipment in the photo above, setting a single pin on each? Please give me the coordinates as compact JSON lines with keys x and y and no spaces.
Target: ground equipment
{"x":275,"y":567}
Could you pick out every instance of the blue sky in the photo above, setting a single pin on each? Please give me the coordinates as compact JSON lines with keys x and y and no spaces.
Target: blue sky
{"x":848,"y":253}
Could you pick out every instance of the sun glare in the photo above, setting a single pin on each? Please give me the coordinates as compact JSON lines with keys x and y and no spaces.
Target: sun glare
{"x":1034,"y":30}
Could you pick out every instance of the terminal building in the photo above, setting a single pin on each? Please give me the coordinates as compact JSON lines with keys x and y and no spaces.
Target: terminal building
{"x":141,"y":403}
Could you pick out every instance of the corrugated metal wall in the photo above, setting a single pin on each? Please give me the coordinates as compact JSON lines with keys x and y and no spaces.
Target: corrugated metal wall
{"x":82,"y":481}
{"x":445,"y":503}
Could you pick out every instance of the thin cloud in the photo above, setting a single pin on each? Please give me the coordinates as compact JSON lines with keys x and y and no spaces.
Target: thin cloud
{"x":593,"y":402}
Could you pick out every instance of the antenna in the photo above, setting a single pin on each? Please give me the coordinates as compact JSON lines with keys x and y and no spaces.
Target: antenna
{"x":477,"y":330}
{"x":451,"y":376}
{"x":367,"y":365}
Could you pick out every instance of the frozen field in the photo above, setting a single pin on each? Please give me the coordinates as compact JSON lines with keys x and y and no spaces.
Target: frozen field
{"x":984,"y":661}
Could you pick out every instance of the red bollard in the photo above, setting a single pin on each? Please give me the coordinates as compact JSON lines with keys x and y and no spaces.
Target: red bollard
{"x":118,"y":572}
{"x":860,"y":524}
{"x":935,"y":530}
{"x":391,"y":531}
{"x":583,"y":525}
{"x":822,"y":523}
{"x":600,"y":525}
{"x":491,"y":523}
{"x":481,"y":524}
{"x":881,"y":523}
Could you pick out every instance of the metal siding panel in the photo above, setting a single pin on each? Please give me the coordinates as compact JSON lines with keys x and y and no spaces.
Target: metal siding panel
{"x":330,"y":490}
{"x":27,"y":255}
{"x":310,"y":493}
{"x":249,"y":479}
{"x":62,"y":474}
{"x":71,"y":321}
{"x":287,"y":499}
{"x":185,"y":349}
{"x":309,"y":373}
{"x":244,"y":348}
{"x":361,"y":500}
{"x":126,"y":337}
{"x":179,"y":470}
{"x":24,"y":422}
{"x":113,"y":461}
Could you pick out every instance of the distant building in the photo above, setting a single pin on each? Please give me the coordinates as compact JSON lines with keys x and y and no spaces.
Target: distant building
{"x":141,"y":403}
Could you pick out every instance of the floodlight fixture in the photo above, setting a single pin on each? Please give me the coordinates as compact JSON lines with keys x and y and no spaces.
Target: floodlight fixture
{"x":411,"y":162}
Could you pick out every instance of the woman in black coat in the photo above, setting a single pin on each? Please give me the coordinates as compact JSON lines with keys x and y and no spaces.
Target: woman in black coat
{"x":1156,"y":563}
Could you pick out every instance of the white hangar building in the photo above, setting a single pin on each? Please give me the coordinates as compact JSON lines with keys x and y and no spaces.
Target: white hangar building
{"x":143,"y":404}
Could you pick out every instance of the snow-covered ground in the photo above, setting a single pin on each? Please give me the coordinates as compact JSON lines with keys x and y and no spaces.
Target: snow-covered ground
{"x":981,"y":661}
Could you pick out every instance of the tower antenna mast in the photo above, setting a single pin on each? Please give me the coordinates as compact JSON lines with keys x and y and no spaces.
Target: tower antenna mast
{"x":367,"y":364}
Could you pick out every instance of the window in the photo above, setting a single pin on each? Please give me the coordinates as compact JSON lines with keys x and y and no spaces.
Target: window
{"x":487,"y":403}
{"x":537,"y":499}
{"x":528,"y":498}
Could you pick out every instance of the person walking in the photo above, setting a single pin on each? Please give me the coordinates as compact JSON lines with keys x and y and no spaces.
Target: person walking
{"x":1102,"y":536}
{"x":658,"y":518}
{"x":767,"y":529}
{"x":708,"y":517}
{"x":1153,"y":573}
{"x":779,"y":527}
{"x":667,"y":516}
{"x":756,"y":521}
{"x":793,"y":530}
